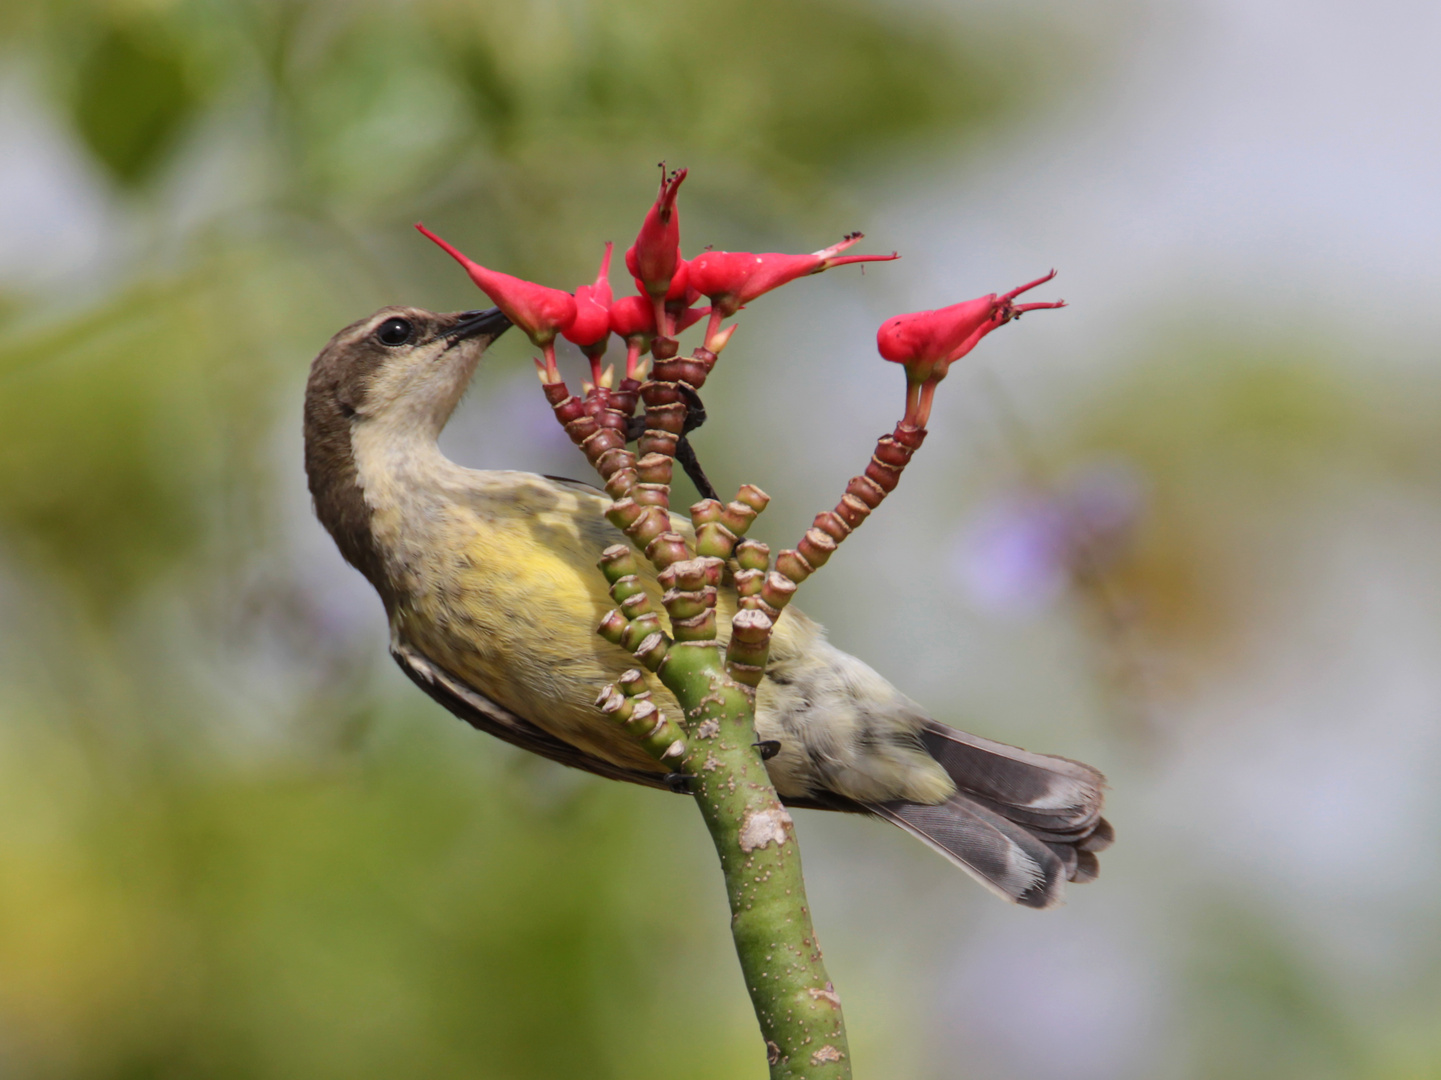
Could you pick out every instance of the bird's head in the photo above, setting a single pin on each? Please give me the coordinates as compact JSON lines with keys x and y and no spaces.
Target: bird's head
{"x":398,"y":375}
{"x":401,"y":366}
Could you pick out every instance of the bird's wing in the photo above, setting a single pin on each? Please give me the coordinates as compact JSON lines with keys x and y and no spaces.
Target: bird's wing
{"x":679,"y":522}
{"x":481,"y":713}
{"x":575,"y":485}
{"x":485,"y":715}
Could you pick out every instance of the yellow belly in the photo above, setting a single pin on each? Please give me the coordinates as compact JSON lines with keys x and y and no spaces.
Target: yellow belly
{"x":517,"y":614}
{"x":500,"y":587}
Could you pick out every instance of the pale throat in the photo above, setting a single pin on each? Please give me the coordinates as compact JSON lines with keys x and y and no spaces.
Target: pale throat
{"x":402,"y":472}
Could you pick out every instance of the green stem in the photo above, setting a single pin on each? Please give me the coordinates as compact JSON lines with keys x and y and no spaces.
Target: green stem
{"x":795,"y":1003}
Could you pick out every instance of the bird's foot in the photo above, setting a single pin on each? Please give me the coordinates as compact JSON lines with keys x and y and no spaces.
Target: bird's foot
{"x":694,"y":409}
{"x":695,"y":416}
{"x":685,"y":454}
{"x":679,"y":782}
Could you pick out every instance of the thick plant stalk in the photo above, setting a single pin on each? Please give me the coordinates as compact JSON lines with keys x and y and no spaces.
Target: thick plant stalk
{"x":795,"y":1002}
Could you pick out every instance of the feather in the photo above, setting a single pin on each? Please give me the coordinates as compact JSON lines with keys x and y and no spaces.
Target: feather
{"x":1069,"y":856}
{"x":1100,"y":839}
{"x":484,"y":714}
{"x":1001,"y":855}
{"x":1052,"y":793}
{"x":1020,"y":823}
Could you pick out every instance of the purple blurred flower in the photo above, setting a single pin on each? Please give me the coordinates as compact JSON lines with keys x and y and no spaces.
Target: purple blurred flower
{"x":1024,"y":548}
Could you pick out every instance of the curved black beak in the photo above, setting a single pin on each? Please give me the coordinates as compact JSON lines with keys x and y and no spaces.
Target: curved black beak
{"x":490,"y":323}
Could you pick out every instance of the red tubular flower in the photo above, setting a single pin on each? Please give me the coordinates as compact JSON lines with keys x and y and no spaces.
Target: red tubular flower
{"x":633,"y":318}
{"x":733,"y":279}
{"x":679,"y":288}
{"x":540,"y":311}
{"x":632,"y":315}
{"x":655,"y":256}
{"x":928,"y":342}
{"x":590,"y":328}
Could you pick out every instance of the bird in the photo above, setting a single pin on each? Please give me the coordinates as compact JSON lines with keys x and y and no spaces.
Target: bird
{"x":490,"y":587}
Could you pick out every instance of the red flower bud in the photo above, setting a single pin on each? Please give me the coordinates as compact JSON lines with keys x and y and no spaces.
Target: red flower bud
{"x":928,"y":342}
{"x":654,"y":258}
{"x":591,"y":327}
{"x":632,"y":315}
{"x":733,"y":279}
{"x":540,"y":311}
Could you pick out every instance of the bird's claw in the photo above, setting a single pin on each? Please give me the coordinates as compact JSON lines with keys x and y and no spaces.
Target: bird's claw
{"x":694,"y":410}
{"x":695,"y":416}
{"x":685,"y":454}
{"x":679,"y":782}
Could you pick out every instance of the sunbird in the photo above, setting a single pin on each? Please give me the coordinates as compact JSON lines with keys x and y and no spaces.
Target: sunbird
{"x":490,"y":586}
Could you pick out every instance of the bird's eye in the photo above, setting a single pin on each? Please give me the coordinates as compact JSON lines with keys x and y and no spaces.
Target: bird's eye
{"x":394,"y":332}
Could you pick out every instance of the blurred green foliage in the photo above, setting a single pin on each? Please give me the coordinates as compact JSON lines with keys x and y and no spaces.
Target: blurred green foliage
{"x":235,"y":843}
{"x":410,"y":912}
{"x":130,"y":100}
{"x":228,"y":851}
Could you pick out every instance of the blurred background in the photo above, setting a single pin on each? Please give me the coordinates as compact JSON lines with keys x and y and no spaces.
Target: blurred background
{"x":1185,"y":530}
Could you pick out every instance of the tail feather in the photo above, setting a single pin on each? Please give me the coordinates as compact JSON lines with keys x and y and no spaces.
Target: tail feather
{"x":1053,"y":792}
{"x":1022,"y":824}
{"x":1069,"y":825}
{"x":1099,"y":840}
{"x":1069,"y":856}
{"x":999,"y":854}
